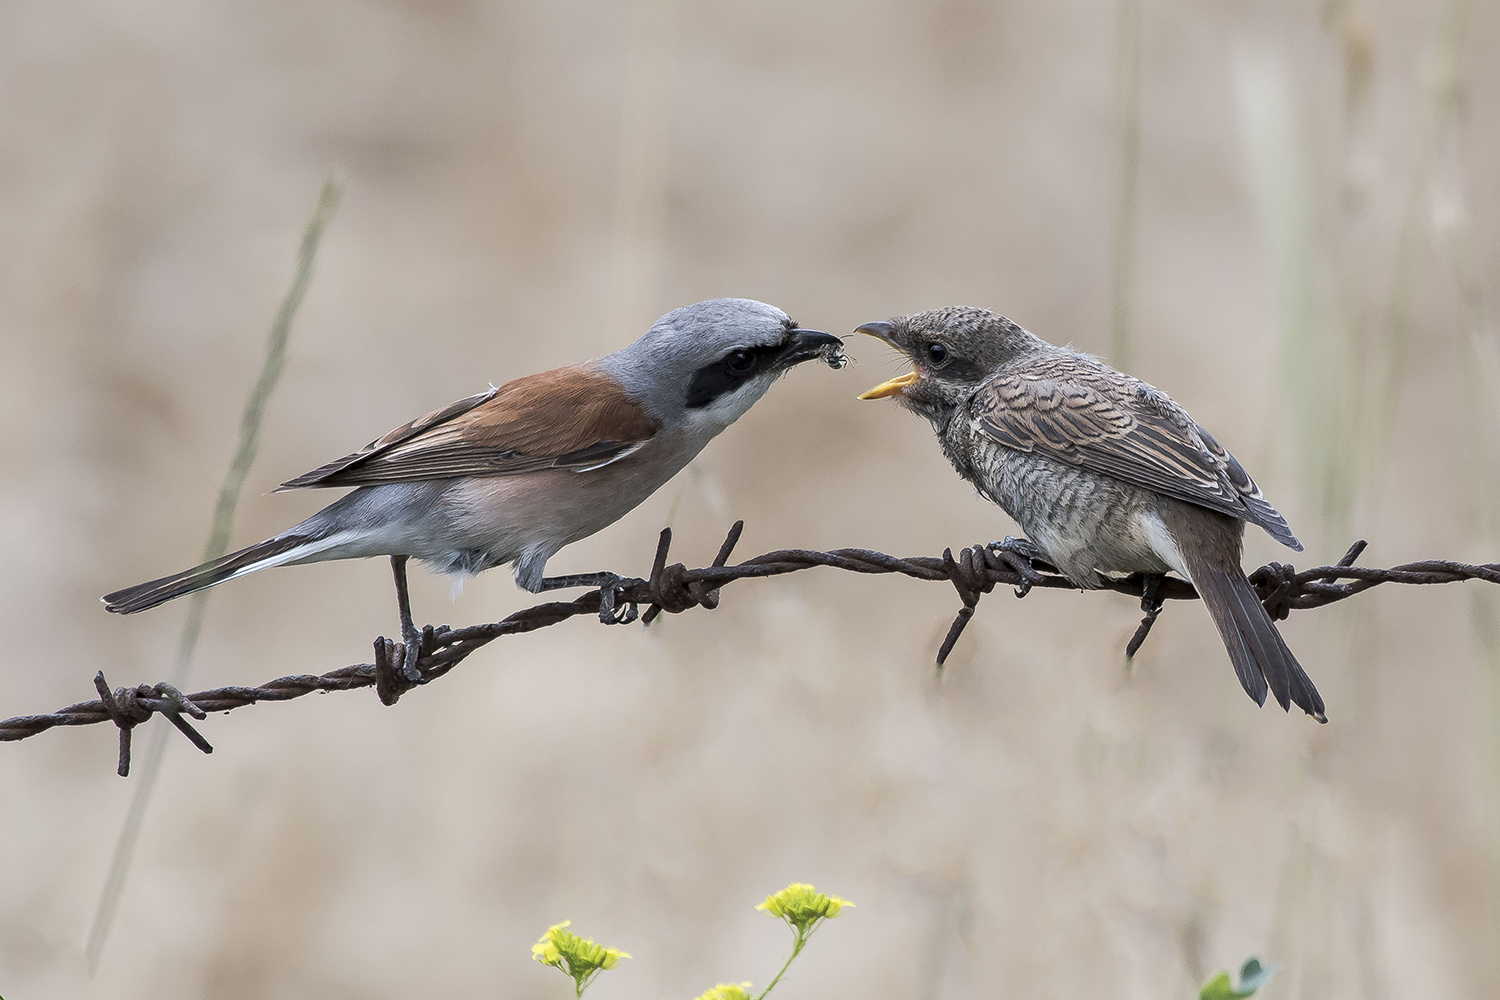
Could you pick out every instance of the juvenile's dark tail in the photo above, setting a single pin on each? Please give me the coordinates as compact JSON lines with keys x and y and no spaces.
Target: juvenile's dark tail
{"x":1259,"y":654}
{"x":271,"y":552}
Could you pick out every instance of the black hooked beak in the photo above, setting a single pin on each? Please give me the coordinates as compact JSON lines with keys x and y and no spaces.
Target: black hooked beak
{"x":804,"y":345}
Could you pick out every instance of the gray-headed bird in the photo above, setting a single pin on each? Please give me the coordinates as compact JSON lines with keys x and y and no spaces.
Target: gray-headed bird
{"x":1104,"y":473}
{"x":513,"y":474}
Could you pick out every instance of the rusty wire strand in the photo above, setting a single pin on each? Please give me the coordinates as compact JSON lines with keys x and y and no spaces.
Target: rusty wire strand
{"x":674,"y":588}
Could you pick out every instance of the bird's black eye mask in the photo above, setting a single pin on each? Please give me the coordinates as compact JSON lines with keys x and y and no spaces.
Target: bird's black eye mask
{"x":729,"y":373}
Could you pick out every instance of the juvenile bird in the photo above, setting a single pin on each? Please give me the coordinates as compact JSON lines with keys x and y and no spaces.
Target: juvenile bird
{"x":1104,"y":473}
{"x":513,"y":474}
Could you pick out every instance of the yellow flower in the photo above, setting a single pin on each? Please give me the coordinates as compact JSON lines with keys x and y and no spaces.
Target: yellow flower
{"x":728,"y":991}
{"x":802,"y":906}
{"x":576,"y":956}
{"x":546,"y":952}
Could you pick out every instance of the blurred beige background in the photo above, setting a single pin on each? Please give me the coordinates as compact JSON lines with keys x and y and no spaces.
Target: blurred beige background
{"x":1304,"y":255}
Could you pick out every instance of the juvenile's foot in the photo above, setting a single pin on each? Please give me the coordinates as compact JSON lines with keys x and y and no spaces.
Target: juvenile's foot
{"x":1020,"y":554}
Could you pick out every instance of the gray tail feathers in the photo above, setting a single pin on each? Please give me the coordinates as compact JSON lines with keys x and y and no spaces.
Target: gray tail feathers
{"x":271,"y":552}
{"x":1260,"y":656}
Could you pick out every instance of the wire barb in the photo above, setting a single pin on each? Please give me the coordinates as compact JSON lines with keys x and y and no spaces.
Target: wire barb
{"x":673,"y":588}
{"x":129,"y":707}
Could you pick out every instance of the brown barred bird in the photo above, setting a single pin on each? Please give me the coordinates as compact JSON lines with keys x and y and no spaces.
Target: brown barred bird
{"x":1104,"y":473}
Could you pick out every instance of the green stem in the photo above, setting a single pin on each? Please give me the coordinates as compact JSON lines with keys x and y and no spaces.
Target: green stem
{"x":148,"y":765}
{"x":797,"y":947}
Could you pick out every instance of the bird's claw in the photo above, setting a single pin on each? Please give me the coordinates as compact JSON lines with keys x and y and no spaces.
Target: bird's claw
{"x":411,"y":672}
{"x":1022,"y":547}
{"x":611,"y":586}
{"x":1019,"y":554}
{"x":1151,"y":604}
{"x":1151,"y":599}
{"x":611,"y":611}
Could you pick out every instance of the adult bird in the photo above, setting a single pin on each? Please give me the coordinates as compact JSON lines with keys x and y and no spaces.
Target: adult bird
{"x":1104,"y":473}
{"x":511,"y":475}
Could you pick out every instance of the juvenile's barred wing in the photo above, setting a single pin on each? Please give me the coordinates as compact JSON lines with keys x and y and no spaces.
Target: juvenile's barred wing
{"x":570,"y":418}
{"x":1119,"y":426}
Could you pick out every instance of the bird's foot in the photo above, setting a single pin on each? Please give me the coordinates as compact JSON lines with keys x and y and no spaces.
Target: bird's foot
{"x":412,"y":638}
{"x":1022,"y":547}
{"x":1151,"y":600}
{"x":1020,"y":555}
{"x":1151,"y":603}
{"x":611,"y":611}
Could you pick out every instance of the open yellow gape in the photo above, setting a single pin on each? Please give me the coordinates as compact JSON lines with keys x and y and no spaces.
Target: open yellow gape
{"x":890,"y":388}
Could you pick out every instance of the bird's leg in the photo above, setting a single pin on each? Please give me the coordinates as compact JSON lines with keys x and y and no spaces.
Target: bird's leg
{"x":576,"y":580}
{"x":409,"y":632}
{"x":1151,"y":603}
{"x":610,"y":585}
{"x":1019,"y":554}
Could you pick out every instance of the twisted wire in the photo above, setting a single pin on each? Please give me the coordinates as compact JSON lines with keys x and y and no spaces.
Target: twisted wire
{"x":673,"y":589}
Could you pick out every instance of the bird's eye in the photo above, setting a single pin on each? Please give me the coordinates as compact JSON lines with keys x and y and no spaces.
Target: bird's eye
{"x":937,"y":354}
{"x":739,"y":362}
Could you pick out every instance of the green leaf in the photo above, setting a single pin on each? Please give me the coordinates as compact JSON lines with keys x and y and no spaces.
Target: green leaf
{"x":1218,"y":988}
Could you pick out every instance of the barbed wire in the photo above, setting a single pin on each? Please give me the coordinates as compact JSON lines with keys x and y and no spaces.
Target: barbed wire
{"x":674,"y":588}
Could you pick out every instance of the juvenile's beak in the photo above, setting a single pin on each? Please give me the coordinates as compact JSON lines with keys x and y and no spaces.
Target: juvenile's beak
{"x":894,"y":387}
{"x":882,"y":330}
{"x":804,"y":345}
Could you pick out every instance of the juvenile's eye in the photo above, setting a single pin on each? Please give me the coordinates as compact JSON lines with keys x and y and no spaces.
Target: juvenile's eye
{"x":739,"y":362}
{"x":937,"y":354}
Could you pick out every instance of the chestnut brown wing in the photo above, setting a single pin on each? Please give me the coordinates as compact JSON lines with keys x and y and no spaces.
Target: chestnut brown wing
{"x":569,"y":418}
